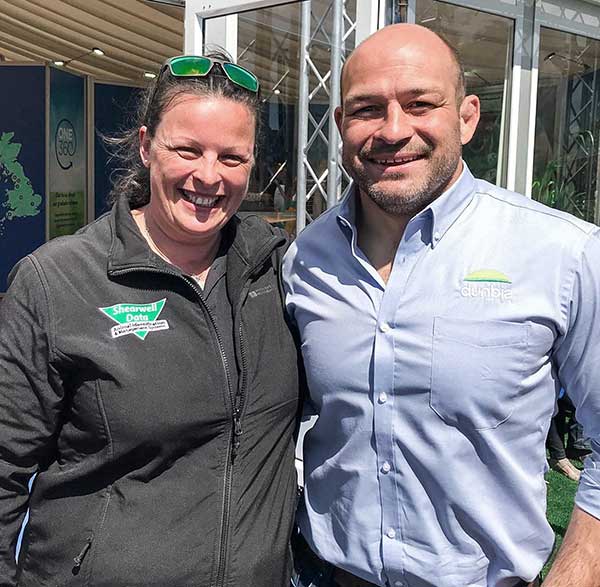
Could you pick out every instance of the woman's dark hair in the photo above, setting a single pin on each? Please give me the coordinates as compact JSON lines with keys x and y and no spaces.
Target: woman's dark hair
{"x":132,"y":177}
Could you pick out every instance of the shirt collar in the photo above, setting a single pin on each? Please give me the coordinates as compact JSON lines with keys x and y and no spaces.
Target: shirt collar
{"x":347,"y":209}
{"x":443,"y":211}
{"x":446,"y":209}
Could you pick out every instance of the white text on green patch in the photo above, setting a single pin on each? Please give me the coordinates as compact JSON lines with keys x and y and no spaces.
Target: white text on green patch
{"x":138,"y":319}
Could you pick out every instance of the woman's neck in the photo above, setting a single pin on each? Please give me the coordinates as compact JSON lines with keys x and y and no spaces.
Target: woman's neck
{"x":193,"y":258}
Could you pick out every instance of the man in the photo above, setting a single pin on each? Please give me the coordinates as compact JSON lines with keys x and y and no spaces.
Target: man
{"x":438,"y":315}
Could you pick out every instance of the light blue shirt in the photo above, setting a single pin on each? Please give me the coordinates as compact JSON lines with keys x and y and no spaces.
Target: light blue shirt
{"x":434,"y":393}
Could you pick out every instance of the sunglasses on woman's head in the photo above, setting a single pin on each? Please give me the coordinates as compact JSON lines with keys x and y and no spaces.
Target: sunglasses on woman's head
{"x":200,"y":66}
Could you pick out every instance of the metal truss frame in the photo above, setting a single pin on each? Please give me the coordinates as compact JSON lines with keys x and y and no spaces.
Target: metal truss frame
{"x":317,"y":130}
{"x":316,"y":187}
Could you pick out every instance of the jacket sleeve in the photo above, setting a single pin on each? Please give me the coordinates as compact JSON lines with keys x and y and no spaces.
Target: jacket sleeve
{"x":30,"y":401}
{"x":578,"y":362}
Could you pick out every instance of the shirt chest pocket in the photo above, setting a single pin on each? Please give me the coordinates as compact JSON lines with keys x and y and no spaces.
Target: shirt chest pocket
{"x":477,"y":370}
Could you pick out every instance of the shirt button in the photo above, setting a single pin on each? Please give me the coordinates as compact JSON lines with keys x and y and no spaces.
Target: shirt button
{"x":436,"y":237}
{"x":382,"y":397}
{"x":386,"y":467}
{"x":391,"y":533}
{"x":398,"y":584}
{"x":384,"y":327}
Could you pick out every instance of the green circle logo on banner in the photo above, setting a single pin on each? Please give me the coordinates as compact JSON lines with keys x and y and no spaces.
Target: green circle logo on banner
{"x":65,"y":143}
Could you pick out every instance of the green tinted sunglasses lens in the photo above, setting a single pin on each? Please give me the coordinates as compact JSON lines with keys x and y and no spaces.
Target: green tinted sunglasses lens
{"x":240,"y":76}
{"x":194,"y":65}
{"x":190,"y":66}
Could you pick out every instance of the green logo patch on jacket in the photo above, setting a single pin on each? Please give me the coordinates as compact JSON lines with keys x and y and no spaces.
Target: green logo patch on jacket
{"x":138,"y":319}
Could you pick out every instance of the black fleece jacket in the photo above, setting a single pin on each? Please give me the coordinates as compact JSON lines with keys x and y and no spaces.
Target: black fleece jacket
{"x":116,"y":389}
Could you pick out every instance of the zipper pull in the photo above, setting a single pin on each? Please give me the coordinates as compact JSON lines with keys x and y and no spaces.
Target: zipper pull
{"x":237,"y":426}
{"x":237,"y":432}
{"x":78,"y":560}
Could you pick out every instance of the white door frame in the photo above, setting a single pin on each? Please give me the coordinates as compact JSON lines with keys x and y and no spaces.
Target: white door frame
{"x":370,"y":16}
{"x":222,"y":31}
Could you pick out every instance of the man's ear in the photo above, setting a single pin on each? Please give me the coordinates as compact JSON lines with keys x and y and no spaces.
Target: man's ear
{"x":338,"y":115}
{"x":469,"y":117}
{"x":144,"y":137}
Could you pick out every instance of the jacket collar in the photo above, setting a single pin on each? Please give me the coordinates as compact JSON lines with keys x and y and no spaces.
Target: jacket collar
{"x":254,"y":241}
{"x":128,"y":249}
{"x":251,"y":239}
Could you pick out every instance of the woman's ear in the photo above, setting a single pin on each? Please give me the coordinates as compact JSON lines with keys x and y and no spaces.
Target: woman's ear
{"x":144,"y":137}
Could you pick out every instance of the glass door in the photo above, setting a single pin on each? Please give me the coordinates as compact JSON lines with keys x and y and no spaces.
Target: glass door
{"x":567,"y":130}
{"x":484,"y":42}
{"x":268,"y":44}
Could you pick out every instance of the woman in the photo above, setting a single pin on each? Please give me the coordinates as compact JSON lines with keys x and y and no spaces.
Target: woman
{"x":146,"y":370}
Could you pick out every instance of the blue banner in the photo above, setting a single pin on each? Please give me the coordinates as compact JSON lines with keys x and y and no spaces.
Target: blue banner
{"x":67,"y":172}
{"x":22,"y":163}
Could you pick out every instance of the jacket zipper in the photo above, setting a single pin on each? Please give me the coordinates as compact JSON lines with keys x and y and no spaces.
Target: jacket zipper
{"x":78,"y":560}
{"x":231,"y":448}
{"x":242,"y":398}
{"x":235,"y":419}
{"x":237,"y":406}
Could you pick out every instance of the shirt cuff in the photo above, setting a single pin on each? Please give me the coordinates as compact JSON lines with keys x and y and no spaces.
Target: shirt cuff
{"x":588,"y":494}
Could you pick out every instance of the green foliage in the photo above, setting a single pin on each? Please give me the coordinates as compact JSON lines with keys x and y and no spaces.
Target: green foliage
{"x":481,"y":153}
{"x":553,"y":190}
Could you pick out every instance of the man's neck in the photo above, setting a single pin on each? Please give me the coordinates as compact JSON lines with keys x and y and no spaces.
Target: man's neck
{"x":379,"y":234}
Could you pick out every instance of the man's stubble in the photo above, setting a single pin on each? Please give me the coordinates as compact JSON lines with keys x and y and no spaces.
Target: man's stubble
{"x":409,"y":200}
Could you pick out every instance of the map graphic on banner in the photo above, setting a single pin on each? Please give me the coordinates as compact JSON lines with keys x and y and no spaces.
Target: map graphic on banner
{"x":22,"y":164}
{"x":19,"y":200}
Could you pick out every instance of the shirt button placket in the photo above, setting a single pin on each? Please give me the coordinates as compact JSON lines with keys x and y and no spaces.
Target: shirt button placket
{"x":384,"y":405}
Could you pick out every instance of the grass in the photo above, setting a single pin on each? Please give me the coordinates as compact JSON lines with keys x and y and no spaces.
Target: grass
{"x":561,"y":495}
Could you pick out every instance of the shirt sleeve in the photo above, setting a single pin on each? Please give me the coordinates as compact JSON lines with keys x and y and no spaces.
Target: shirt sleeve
{"x":577,"y":359}
{"x":30,"y":402}
{"x":289,"y":275}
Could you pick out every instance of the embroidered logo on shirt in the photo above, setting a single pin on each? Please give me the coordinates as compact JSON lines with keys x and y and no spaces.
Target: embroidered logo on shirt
{"x":138,"y":319}
{"x":487,"y":284}
{"x":261,"y":291}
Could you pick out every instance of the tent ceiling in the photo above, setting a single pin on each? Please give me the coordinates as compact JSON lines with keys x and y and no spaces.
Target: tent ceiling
{"x":135,"y":35}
